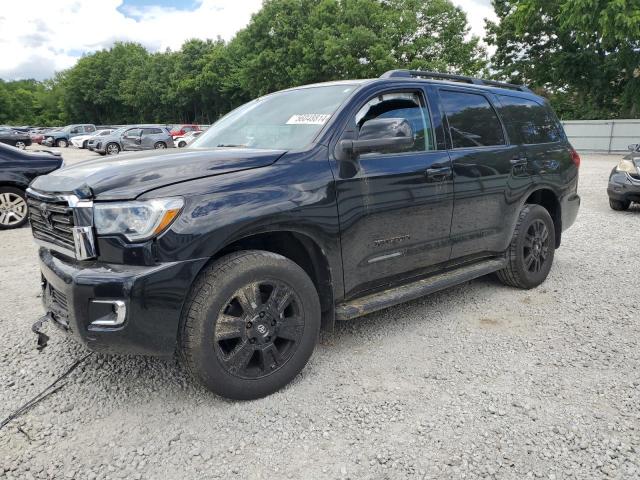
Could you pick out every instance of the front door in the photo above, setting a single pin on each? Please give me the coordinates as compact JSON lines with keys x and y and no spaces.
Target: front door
{"x":131,"y":139}
{"x":489,"y":175}
{"x":394,"y":205}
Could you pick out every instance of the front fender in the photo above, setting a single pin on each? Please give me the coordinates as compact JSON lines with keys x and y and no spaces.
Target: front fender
{"x":296,"y":194}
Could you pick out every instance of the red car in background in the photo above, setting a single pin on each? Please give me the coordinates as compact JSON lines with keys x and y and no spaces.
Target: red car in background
{"x":180,"y":130}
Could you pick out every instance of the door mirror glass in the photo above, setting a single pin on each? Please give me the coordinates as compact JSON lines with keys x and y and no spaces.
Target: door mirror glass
{"x":634,"y":147}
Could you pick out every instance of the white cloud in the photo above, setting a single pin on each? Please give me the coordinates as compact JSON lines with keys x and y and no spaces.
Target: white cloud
{"x":36,"y":46}
{"x":53,"y":35}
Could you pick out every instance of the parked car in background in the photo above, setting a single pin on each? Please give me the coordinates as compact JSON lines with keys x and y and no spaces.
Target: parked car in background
{"x":132,"y":138}
{"x":624,"y":180}
{"x":17,"y":169}
{"x":82,"y":141}
{"x":187,"y":138}
{"x":61,"y":137}
{"x":180,"y":130}
{"x":315,"y":204}
{"x":15,"y":138}
{"x":36,"y":136}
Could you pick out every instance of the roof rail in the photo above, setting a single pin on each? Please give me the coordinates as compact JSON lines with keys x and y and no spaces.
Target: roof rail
{"x":451,"y":77}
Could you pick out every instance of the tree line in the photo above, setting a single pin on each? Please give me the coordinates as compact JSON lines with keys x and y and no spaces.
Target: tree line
{"x":582,"y":54}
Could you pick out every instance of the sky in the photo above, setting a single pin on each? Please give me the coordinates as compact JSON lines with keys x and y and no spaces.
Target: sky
{"x":46,"y":36}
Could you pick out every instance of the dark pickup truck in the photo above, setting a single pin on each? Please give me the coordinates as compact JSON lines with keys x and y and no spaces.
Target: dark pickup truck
{"x":300,"y":208}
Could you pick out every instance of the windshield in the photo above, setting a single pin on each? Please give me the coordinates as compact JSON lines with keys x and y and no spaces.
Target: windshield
{"x":285,"y":120}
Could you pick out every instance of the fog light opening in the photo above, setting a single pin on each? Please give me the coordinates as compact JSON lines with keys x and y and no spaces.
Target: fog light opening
{"x":114,"y":318}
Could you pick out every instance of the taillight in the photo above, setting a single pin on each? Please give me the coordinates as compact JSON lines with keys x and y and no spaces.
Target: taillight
{"x":575,"y":158}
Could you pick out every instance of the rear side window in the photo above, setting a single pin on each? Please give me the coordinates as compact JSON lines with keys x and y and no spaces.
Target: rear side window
{"x":151,"y":131}
{"x":533,"y":122}
{"x":472,"y":120}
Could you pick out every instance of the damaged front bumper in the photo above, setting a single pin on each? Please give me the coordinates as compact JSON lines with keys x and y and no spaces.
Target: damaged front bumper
{"x":117,"y":308}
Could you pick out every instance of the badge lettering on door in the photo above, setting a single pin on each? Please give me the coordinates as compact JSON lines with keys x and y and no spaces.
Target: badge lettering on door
{"x":384,"y":242}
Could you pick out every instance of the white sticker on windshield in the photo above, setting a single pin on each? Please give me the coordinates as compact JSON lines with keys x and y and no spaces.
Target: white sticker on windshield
{"x":309,"y":119}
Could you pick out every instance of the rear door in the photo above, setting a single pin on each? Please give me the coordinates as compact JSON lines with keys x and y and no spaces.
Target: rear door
{"x":489,"y":178}
{"x":394,"y":206}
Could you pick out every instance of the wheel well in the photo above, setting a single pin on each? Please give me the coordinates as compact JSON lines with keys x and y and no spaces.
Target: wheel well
{"x":549,"y":200}
{"x":300,"y":249}
{"x":4,"y":183}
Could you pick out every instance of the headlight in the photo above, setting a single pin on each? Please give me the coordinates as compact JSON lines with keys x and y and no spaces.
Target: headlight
{"x":627,"y":166}
{"x":137,"y":221}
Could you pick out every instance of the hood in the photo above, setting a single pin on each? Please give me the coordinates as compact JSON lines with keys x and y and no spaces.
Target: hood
{"x":130,"y":175}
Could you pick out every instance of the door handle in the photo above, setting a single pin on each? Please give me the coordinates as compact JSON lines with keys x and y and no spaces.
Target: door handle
{"x":438,"y":174}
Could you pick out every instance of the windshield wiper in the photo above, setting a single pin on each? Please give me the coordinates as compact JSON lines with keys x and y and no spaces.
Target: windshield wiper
{"x":230,"y":145}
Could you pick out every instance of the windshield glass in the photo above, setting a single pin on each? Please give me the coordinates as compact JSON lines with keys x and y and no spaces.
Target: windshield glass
{"x":285,"y":120}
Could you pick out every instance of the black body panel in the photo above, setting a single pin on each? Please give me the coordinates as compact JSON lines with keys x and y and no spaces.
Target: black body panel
{"x":18,"y":168}
{"x":373,"y":223}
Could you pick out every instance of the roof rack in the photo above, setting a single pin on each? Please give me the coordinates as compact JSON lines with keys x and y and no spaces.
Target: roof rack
{"x":451,"y":77}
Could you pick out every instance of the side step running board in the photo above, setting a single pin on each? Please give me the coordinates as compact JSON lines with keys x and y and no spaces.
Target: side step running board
{"x":393,"y":296}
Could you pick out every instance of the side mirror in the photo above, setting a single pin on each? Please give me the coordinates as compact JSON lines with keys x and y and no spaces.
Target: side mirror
{"x":393,"y":134}
{"x":634,"y":147}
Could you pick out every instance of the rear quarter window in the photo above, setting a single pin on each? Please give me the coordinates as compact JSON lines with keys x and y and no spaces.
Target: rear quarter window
{"x":532,"y":121}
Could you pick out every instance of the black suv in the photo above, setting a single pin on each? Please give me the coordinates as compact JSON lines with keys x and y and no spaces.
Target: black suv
{"x":300,"y":208}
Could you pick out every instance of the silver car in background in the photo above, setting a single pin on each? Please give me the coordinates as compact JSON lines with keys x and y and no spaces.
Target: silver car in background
{"x":132,"y":138}
{"x":82,"y":141}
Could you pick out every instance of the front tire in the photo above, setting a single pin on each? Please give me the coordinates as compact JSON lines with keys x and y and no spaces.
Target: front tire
{"x":62,"y":143}
{"x":619,"y":205}
{"x":250,"y":324}
{"x":112,"y":149}
{"x":531,"y":251}
{"x":13,"y":208}
{"x":21,"y":145}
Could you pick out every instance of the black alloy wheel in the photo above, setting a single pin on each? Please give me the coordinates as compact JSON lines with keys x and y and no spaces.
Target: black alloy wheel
{"x":536,"y":246}
{"x":258,"y":329}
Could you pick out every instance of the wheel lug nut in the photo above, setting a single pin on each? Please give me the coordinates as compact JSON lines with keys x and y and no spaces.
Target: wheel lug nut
{"x":249,"y":324}
{"x":261,"y":314}
{"x":252,"y":340}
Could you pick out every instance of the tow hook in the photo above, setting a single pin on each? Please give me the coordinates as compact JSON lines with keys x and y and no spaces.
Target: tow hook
{"x":43,"y":339}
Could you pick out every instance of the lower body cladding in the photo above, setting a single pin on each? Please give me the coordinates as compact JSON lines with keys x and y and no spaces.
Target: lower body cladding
{"x":118,"y":308}
{"x":623,"y":187}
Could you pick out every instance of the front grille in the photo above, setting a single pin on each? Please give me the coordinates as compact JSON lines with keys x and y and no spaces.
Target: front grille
{"x":52,"y":222}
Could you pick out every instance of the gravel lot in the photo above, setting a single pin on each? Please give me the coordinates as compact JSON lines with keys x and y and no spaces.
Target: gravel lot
{"x":479,"y":381}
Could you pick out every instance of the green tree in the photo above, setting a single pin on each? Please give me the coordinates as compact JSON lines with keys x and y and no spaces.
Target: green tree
{"x":585,"y":54}
{"x":292,"y":42}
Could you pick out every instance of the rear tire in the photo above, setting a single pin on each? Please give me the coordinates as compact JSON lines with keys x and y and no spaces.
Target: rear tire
{"x":250,"y":324}
{"x":619,"y":205}
{"x":531,"y":251}
{"x":160,"y":145}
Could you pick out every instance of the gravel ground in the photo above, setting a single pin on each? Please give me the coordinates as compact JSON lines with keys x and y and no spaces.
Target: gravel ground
{"x":479,"y":381}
